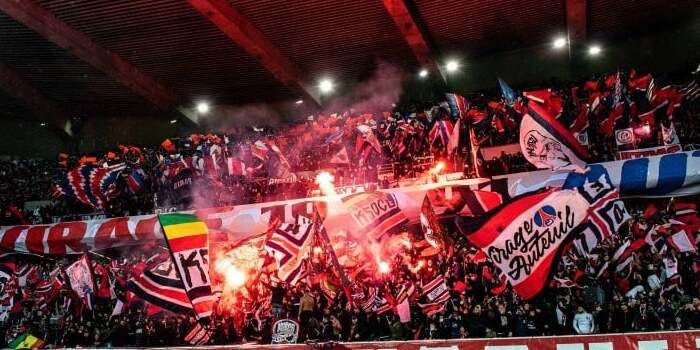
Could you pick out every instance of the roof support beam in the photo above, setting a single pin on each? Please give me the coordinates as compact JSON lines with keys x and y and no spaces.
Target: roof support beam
{"x":245,"y":35}
{"x":576,"y":21}
{"x":32,"y":15}
{"x":412,"y":33}
{"x":41,"y":106}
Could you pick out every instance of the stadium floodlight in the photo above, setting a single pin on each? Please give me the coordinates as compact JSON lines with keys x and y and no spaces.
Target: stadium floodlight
{"x":594,"y":50}
{"x":423,"y":73}
{"x":452,"y":66}
{"x":298,"y":102}
{"x":173,"y":121}
{"x":43,"y":124}
{"x":559,"y":42}
{"x":203,"y":108}
{"x":326,"y":86}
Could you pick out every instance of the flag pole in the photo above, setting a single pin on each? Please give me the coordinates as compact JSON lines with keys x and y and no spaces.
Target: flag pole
{"x":328,"y":247}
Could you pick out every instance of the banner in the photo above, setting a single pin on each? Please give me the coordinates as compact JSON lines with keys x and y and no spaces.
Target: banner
{"x":285,"y":331}
{"x":648,"y":152}
{"x":676,"y":174}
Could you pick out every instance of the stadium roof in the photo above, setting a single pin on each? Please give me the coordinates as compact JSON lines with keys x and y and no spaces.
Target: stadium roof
{"x":136,"y":57}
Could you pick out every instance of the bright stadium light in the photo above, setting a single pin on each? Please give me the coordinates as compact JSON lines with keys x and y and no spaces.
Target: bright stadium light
{"x":559,"y":42}
{"x":452,"y":66}
{"x":325,"y":86}
{"x":423,"y":73}
{"x":173,"y":121}
{"x":203,"y":108}
{"x":43,"y":124}
{"x":594,"y":50}
{"x":298,"y":102}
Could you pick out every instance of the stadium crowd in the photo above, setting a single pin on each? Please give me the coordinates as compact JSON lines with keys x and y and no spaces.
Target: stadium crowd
{"x":657,"y":289}
{"x":243,"y":166}
{"x":655,"y":286}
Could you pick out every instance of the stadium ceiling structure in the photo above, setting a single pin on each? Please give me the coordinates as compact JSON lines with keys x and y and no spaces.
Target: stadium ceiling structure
{"x":146,"y":57}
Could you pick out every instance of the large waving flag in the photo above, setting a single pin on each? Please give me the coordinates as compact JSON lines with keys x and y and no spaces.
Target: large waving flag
{"x":90,"y":184}
{"x":547,"y":144}
{"x":162,"y":287}
{"x":188,"y":240}
{"x":523,"y":237}
{"x":289,"y":244}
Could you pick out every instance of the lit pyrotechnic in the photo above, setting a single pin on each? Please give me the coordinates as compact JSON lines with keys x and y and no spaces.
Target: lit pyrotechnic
{"x":325,"y":183}
{"x":234,"y":276}
{"x":384,"y":267}
{"x":438,"y":168}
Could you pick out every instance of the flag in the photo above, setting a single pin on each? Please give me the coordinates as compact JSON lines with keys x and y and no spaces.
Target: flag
{"x":368,"y":137}
{"x":458,"y":105}
{"x":188,"y":241}
{"x":375,"y":213}
{"x":503,"y":234}
{"x":624,"y":137}
{"x":682,"y":241}
{"x":118,"y":308}
{"x":198,"y":335}
{"x":340,"y":157}
{"x":435,"y":290}
{"x":235,"y":167}
{"x":547,"y":144}
{"x":453,"y":143}
{"x":334,"y":137}
{"x":168,"y":146}
{"x":441,"y":132}
{"x":548,"y":101}
{"x":135,"y":179}
{"x":477,"y":157}
{"x":259,"y":150}
{"x":368,"y":304}
{"x":162,"y":287}
{"x":669,"y":135}
{"x":81,"y":279}
{"x":91,"y":185}
{"x":507,"y":92}
{"x":26,"y":341}
{"x":624,"y":255}
{"x":430,"y":309}
{"x":432,"y":230}
{"x":289,"y":244}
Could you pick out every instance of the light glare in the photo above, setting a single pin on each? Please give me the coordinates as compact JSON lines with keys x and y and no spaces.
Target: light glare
{"x":559,"y":43}
{"x":452,"y":66}
{"x":594,"y":50}
{"x":326,"y":86}
{"x":203,"y":107}
{"x":423,"y":73}
{"x":299,"y":102}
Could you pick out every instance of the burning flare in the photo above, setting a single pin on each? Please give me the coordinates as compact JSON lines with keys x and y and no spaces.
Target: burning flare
{"x":325,"y":183}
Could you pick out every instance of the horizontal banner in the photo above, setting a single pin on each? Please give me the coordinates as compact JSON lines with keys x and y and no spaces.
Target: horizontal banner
{"x":676,"y":174}
{"x":648,"y":152}
{"x":226,"y":224}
